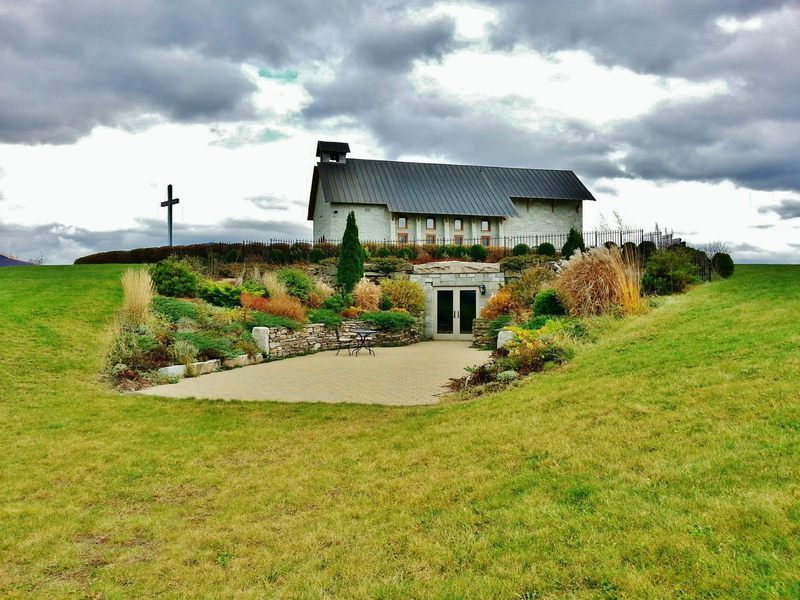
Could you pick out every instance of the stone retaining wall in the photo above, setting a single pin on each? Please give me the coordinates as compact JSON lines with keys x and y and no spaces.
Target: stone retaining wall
{"x":280,"y":342}
{"x":481,"y":336}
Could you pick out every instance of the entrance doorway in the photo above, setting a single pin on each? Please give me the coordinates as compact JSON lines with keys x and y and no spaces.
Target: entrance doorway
{"x":456,"y":308}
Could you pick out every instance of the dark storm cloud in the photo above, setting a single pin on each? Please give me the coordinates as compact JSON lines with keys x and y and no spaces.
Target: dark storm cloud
{"x":749,"y":135}
{"x":70,"y":65}
{"x":647,"y":37}
{"x":61,"y":244}
{"x":788,"y":208}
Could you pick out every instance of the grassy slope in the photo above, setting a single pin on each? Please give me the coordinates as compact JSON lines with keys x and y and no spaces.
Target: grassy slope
{"x":661,"y":462}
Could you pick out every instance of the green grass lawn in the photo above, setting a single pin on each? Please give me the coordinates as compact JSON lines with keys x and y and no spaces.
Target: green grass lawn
{"x":664,"y":461}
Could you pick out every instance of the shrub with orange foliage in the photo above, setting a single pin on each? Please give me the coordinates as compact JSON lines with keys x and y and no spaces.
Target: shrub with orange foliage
{"x":314,"y":301}
{"x":502,"y":303}
{"x":366,"y":295}
{"x":280,"y":305}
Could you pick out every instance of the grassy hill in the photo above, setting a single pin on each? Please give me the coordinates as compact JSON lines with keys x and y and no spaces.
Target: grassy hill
{"x":7,"y":261}
{"x":661,"y":462}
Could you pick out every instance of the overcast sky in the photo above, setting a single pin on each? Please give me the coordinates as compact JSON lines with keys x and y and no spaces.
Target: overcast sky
{"x":685,"y":114}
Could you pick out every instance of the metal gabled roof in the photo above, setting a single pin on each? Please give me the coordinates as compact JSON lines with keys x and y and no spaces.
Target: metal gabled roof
{"x":441,"y":189}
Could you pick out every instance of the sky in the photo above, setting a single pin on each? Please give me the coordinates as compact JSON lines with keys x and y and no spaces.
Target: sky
{"x":681,"y":114}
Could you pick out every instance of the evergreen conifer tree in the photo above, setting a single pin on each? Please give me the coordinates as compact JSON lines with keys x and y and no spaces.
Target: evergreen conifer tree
{"x":351,"y":257}
{"x":574,"y":242}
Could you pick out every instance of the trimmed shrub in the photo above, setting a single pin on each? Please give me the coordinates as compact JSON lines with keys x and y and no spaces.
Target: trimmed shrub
{"x":220,"y":294}
{"x":520,"y":250}
{"x":722,"y":263}
{"x":351,"y":257}
{"x":478,"y":253}
{"x":299,"y":252}
{"x":315,"y":255}
{"x":383,"y":252}
{"x":173,"y":277}
{"x":338,"y":302}
{"x":645,"y":250}
{"x":548,"y":302}
{"x":406,"y":252}
{"x":389,"y":264}
{"x":366,"y":295}
{"x":669,"y":271}
{"x":137,"y":293}
{"x":546,"y":249}
{"x":519,"y":263}
{"x":629,"y":251}
{"x":322,"y":315}
{"x":297,"y":283}
{"x":574,"y":242}
{"x":404,"y":293}
{"x":502,"y":303}
{"x":389,"y":320}
{"x":454,"y":251}
{"x":277,"y":256}
{"x":174,"y":309}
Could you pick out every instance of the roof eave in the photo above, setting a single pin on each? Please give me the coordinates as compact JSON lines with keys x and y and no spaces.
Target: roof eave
{"x":312,"y":199}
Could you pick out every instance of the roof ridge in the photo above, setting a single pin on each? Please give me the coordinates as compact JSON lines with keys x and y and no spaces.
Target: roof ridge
{"x":413,"y":162}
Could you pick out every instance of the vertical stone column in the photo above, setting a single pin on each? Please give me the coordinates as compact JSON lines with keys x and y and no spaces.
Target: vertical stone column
{"x":446,"y":223}
{"x":392,"y":227}
{"x":419,"y":234}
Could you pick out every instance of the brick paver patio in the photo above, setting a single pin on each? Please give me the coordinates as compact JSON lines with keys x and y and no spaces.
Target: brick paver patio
{"x":402,"y":375}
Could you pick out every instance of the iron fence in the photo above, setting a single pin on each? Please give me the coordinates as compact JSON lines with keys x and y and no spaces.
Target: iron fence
{"x":285,"y":250}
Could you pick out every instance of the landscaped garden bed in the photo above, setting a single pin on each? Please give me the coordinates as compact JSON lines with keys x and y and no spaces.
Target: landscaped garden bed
{"x":544,"y":314}
{"x":177,"y":321}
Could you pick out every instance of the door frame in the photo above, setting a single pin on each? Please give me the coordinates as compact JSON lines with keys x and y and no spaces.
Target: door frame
{"x":456,"y":309}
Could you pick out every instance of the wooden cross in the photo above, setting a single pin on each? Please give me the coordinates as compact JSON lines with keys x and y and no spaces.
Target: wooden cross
{"x":169,"y":203}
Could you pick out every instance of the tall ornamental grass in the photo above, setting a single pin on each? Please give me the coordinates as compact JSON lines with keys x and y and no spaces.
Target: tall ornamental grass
{"x":599,"y":281}
{"x":137,"y":288}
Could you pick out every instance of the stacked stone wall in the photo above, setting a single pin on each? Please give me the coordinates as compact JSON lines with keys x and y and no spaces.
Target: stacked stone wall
{"x":281,"y":342}
{"x":481,"y":336}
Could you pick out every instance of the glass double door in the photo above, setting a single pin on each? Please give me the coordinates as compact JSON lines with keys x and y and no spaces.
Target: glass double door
{"x":456,"y":308}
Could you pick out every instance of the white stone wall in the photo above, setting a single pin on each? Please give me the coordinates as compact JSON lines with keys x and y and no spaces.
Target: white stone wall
{"x":539,"y":217}
{"x":376,"y":223}
{"x":330,"y":220}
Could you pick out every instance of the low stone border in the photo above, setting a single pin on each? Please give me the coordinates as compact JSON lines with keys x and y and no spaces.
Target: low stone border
{"x":209,"y":366}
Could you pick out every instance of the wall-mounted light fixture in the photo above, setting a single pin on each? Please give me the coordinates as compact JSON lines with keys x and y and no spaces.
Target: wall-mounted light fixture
{"x":482,"y":289}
